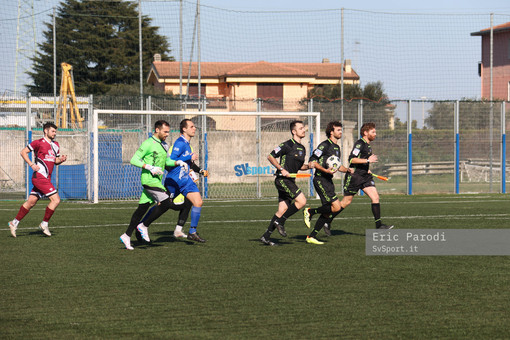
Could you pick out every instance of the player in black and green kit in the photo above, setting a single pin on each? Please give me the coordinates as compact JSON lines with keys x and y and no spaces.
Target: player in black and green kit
{"x":152,"y":157}
{"x":292,"y":158}
{"x":361,"y":179}
{"x":323,"y":182}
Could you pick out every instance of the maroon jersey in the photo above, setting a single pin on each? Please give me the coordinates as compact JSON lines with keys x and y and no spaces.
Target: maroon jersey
{"x":45,"y":153}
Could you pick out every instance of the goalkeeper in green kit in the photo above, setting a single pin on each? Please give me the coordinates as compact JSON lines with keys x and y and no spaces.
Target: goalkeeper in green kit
{"x":152,"y":157}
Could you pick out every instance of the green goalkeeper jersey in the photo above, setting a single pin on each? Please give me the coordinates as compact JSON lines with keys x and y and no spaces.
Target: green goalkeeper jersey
{"x":152,"y":152}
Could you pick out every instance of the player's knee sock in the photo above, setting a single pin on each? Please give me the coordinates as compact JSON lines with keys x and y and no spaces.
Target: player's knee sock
{"x":137,"y":216}
{"x":21,"y":213}
{"x":324,"y":209}
{"x":335,"y":214}
{"x":195,"y":216}
{"x":159,"y":210}
{"x":184,"y":212}
{"x":47,"y":214}
{"x":271,"y":227}
{"x":151,"y":210}
{"x":290,"y":211}
{"x":318,"y":225}
{"x":376,"y":210}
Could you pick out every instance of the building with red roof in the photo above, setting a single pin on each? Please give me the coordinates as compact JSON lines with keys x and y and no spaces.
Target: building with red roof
{"x":501,"y":62}
{"x":232,"y":82}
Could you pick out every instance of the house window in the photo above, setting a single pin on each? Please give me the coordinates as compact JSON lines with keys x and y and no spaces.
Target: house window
{"x":193,"y":90}
{"x":272,"y":94}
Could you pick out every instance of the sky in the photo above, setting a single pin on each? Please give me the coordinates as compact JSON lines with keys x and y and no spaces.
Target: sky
{"x":387,"y":53}
{"x":406,"y":6}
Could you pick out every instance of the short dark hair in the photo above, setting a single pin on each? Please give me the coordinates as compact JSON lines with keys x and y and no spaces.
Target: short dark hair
{"x":48,"y":126}
{"x":160,"y":123}
{"x":331,"y":126}
{"x":366,"y":127}
{"x":184,"y":124}
{"x":294,"y":123}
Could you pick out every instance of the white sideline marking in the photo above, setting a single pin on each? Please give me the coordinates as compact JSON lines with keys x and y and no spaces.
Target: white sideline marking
{"x":132,"y":205}
{"x":460,"y":217}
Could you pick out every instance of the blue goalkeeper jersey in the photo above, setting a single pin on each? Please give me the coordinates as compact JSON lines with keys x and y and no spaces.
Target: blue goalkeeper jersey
{"x":181,"y":151}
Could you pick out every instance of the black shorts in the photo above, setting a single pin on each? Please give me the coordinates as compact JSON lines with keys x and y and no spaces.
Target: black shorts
{"x":355,"y":182}
{"x":325,"y":189}
{"x":287,"y":189}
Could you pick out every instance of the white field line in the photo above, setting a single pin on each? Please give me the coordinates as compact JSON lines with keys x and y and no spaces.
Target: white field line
{"x":451,"y":217}
{"x":235,"y":204}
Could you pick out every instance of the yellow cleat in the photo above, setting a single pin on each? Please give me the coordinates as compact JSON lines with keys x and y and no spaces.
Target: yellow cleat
{"x":179,"y":199}
{"x":306,"y":214}
{"x":313,"y":240}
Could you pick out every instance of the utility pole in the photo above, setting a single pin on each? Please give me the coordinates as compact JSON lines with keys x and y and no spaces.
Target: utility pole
{"x":25,"y":42}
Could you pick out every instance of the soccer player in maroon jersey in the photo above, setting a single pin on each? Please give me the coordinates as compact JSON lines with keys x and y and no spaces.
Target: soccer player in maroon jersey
{"x":46,"y":156}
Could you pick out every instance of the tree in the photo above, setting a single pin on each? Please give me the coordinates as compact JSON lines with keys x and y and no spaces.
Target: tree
{"x":100,"y":40}
{"x":375,"y":102}
{"x":473,"y":114}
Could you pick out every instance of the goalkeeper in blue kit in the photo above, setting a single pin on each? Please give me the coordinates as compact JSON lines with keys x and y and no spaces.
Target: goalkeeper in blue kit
{"x":152,"y":157}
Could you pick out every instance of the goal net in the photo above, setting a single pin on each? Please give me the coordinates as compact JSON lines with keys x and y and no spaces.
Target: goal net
{"x":232,"y":146}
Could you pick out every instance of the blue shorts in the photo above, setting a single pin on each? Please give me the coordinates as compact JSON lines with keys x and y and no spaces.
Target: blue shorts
{"x":183,"y":186}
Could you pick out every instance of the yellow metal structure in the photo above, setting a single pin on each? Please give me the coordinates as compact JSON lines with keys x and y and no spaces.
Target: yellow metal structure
{"x":67,"y":95}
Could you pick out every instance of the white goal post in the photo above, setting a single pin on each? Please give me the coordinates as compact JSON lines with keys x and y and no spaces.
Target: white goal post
{"x":233,"y":146}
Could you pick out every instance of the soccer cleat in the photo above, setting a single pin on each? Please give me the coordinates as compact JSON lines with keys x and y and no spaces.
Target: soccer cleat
{"x":327,"y":229}
{"x":13,"y":228}
{"x":127,"y":241}
{"x":306,"y":213}
{"x":267,"y":241}
{"x":384,"y":226}
{"x":195,"y":237}
{"x":144,"y":231}
{"x":281,"y":228}
{"x":313,"y":240}
{"x":180,"y":234}
{"x":45,"y":229}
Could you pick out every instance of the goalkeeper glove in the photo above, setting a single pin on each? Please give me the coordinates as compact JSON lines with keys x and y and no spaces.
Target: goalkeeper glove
{"x":182,"y":164}
{"x":155,"y":170}
{"x":204,"y":173}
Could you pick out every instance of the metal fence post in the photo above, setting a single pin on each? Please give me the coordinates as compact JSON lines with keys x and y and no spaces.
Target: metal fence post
{"x":258,"y":136}
{"x":409,"y":150}
{"x":311,"y":128}
{"x":28,"y":139}
{"x":457,"y":146}
{"x":503,"y":149}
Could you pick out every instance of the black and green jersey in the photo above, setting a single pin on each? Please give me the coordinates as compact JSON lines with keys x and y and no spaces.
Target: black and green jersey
{"x":362,"y":150}
{"x":292,"y":156}
{"x":321,"y":154}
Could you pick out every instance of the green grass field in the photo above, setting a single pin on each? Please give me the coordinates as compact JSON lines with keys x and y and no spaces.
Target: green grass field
{"x":81,"y":283}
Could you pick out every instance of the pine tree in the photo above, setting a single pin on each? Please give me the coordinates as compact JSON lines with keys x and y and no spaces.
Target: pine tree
{"x":100,"y":40}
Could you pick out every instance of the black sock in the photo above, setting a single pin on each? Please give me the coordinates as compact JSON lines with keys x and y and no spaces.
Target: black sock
{"x":137,"y":217}
{"x":184,"y":213}
{"x":290,"y":211}
{"x":323,"y":209}
{"x":335,"y":214}
{"x":376,"y":210}
{"x":158,"y":211}
{"x":270,"y":228}
{"x":318,"y":225}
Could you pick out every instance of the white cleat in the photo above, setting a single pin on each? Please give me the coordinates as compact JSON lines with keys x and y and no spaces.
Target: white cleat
{"x":179,"y":234}
{"x":144,"y":231}
{"x":127,"y":241}
{"x":45,"y":229}
{"x":13,"y":228}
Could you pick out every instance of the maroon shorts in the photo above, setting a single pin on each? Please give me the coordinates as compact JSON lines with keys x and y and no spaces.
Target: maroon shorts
{"x":42,"y":187}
